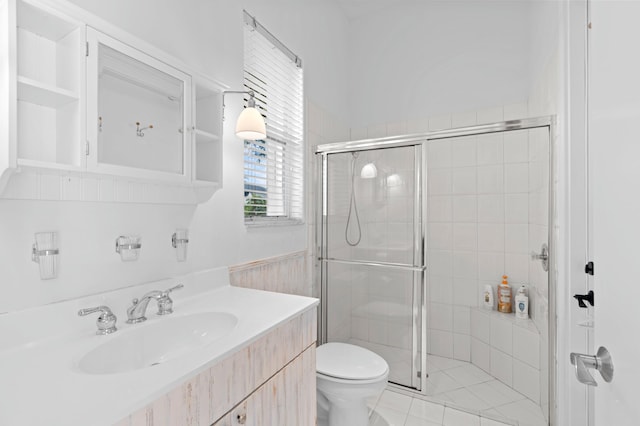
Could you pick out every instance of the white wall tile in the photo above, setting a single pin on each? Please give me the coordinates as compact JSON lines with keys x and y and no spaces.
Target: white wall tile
{"x":490,"y":115}
{"x":398,"y":128}
{"x":516,"y":238}
{"x":481,"y":354}
{"x":490,"y":149}
{"x":490,"y":179}
{"x":516,"y":208}
{"x":502,"y":334}
{"x":465,"y":208}
{"x":464,"y":180}
{"x":438,"y":154}
{"x":491,"y":266}
{"x":440,"y":208}
{"x":491,"y":208}
{"x":376,"y":131}
{"x":464,"y":292}
{"x":418,"y":125}
{"x":516,"y":266}
{"x":516,"y":146}
{"x":461,"y":320}
{"x":481,"y":326}
{"x":491,"y":237}
{"x":465,"y":236}
{"x":441,"y":236}
{"x":441,"y":317}
{"x":440,"y":262}
{"x":464,"y":119}
{"x":516,"y":111}
{"x":440,"y":122}
{"x":502,"y":367}
{"x":465,"y":264}
{"x":440,"y":182}
{"x":463,"y":151}
{"x":526,"y":346}
{"x":441,"y":343}
{"x":462,"y":347}
{"x":440,"y":289}
{"x":516,"y":177}
{"x":358,"y":133}
{"x":526,"y":380}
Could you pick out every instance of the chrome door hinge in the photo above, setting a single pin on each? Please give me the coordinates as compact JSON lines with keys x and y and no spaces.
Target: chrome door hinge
{"x":86,"y":149}
{"x":87,"y":49}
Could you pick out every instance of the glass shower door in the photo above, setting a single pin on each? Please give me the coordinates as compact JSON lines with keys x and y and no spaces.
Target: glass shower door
{"x":372,"y":255}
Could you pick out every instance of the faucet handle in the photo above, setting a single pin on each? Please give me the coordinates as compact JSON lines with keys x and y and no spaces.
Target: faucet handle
{"x":165,"y":304}
{"x":166,"y":292}
{"x":106,"y":321}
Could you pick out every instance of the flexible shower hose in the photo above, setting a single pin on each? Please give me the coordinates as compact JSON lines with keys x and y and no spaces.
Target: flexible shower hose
{"x":353,"y":207}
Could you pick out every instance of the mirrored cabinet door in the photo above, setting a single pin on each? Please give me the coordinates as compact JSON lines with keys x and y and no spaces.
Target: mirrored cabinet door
{"x":139,"y":112}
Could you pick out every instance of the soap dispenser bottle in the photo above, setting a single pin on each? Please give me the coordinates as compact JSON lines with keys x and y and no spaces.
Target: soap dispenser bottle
{"x":504,"y":296}
{"x":522,"y":303}
{"x":487,"y":297}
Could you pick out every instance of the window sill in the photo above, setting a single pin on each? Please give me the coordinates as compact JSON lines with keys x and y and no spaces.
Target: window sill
{"x":268,"y":222}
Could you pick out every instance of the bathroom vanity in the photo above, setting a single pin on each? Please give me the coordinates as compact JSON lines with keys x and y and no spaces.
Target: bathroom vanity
{"x":225,"y":356}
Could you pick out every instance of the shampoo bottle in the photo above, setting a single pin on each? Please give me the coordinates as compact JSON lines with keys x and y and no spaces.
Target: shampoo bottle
{"x":487,"y":297}
{"x":522,"y":303}
{"x":504,"y":296}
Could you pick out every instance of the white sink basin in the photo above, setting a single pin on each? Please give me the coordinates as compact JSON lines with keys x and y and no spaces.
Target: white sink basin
{"x":151,"y":344}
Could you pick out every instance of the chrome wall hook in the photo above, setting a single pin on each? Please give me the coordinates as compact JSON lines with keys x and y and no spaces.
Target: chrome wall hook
{"x":140,"y":131}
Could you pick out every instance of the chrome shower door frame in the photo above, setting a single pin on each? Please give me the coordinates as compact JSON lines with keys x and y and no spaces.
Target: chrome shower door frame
{"x":422,"y":139}
{"x":418,"y":268}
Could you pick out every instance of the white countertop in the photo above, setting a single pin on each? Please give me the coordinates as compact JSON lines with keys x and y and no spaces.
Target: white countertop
{"x":40,"y":382}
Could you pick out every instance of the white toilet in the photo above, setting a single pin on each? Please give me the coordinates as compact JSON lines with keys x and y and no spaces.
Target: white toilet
{"x":346,"y":376}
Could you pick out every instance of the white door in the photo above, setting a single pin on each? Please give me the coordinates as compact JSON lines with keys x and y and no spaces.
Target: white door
{"x":614,"y":139}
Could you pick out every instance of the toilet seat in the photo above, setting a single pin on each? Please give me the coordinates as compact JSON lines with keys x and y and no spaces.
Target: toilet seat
{"x":349,"y":363}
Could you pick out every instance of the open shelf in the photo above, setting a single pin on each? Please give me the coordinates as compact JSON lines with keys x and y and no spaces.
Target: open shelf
{"x":43,"y":94}
{"x":202,"y":136}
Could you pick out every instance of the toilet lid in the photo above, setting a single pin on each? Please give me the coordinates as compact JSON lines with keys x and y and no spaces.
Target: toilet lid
{"x":351,"y":362}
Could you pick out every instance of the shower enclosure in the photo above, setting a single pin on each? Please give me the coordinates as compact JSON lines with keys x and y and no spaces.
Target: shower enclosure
{"x":411,"y":231}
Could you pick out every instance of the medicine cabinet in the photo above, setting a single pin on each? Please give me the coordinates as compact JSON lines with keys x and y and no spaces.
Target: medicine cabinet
{"x":89,"y":100}
{"x":136,"y":111}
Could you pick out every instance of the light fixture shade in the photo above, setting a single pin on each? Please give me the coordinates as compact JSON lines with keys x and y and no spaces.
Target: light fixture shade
{"x":369,"y":171}
{"x":250,"y":125}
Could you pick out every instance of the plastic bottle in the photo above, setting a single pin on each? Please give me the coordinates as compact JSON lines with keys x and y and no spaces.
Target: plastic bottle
{"x":487,"y":297}
{"x":504,"y":296}
{"x":522,"y":303}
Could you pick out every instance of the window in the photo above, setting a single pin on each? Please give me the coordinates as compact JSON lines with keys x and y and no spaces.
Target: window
{"x":273,"y":167}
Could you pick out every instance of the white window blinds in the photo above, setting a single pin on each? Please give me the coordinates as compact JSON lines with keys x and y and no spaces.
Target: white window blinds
{"x":273,"y":168}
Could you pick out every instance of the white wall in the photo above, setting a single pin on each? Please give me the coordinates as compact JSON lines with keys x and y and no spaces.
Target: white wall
{"x":420,"y":59}
{"x":208,"y":37}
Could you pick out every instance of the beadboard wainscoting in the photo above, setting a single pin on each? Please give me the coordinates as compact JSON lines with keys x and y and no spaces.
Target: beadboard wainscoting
{"x":270,"y":381}
{"x":283,"y":274}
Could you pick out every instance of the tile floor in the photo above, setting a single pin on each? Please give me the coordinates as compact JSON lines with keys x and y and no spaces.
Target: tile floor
{"x":458,"y":394}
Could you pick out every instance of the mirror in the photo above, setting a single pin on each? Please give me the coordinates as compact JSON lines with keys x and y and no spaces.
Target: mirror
{"x":140,"y":114}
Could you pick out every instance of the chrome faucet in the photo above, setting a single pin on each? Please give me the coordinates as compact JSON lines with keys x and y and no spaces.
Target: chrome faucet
{"x":136,"y":312}
{"x":106,"y":321}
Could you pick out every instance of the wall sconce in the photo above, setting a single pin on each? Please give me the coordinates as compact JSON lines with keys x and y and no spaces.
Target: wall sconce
{"x":179,"y":241}
{"x":250,"y":124}
{"x":45,"y":253}
{"x":128,"y":247}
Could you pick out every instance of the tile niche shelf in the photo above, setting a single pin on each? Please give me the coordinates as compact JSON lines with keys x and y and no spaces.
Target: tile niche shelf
{"x":48,"y":121}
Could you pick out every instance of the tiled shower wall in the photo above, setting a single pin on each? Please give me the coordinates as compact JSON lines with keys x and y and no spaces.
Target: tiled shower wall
{"x":487,"y":212}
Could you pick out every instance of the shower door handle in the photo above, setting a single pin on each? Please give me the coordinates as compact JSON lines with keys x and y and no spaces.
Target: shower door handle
{"x":601,"y":362}
{"x":543,"y":256}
